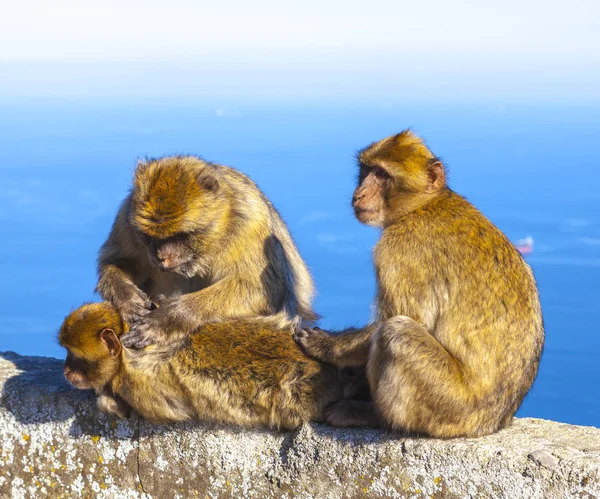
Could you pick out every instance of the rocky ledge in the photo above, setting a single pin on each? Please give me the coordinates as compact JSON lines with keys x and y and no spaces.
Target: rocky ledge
{"x":54,"y":443}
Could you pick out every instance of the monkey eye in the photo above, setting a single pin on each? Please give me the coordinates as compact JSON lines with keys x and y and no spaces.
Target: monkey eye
{"x":381,"y":173}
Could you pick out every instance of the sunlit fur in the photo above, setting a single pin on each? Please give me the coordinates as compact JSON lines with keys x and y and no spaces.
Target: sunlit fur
{"x":80,"y":333}
{"x":239,"y":372}
{"x":206,"y":234}
{"x":458,"y":336}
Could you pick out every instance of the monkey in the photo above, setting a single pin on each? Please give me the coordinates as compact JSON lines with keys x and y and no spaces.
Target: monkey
{"x":241,"y":371}
{"x":203,"y":242}
{"x":458,"y":332}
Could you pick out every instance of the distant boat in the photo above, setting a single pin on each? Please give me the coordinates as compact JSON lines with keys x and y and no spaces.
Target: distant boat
{"x":525,"y":246}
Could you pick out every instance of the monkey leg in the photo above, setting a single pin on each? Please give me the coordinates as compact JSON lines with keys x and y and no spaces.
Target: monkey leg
{"x":416,"y":384}
{"x":354,"y":383}
{"x":353,"y":413}
{"x":347,"y":349}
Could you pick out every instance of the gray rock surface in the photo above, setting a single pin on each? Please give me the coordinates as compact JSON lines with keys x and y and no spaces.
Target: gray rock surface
{"x":54,"y":443}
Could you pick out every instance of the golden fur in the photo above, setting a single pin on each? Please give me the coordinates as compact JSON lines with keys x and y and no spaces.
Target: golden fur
{"x":458,"y":335}
{"x":204,"y":236}
{"x":240,"y":372}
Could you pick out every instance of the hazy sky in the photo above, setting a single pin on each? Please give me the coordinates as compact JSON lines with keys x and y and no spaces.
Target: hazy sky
{"x":543,"y":39}
{"x":80,"y":30}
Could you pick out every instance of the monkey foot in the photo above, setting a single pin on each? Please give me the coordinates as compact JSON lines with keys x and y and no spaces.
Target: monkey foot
{"x":352,"y":413}
{"x":315,"y":342}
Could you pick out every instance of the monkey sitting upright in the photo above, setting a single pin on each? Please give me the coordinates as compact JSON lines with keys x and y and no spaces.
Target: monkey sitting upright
{"x":243,"y":372}
{"x":202,"y":241}
{"x":458,"y":336}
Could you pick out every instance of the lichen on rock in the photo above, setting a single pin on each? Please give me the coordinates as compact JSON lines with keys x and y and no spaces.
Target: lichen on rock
{"x":55,"y":443}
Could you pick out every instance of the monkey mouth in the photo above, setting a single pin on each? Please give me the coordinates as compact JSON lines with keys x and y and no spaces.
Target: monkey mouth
{"x":361,"y":212}
{"x":177,"y":267}
{"x":171,"y":268}
{"x":79,"y":384}
{"x":185,"y":269}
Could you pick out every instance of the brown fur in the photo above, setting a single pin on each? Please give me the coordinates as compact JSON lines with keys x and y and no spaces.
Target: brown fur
{"x":241,"y":372}
{"x":457,"y":340}
{"x":205,"y":237}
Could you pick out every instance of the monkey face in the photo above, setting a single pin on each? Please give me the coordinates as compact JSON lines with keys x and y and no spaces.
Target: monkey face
{"x":90,"y":336}
{"x":86,"y":374}
{"x":369,"y":198}
{"x":397,"y":175}
{"x":176,"y":202}
{"x":175,"y":254}
{"x":76,"y":372}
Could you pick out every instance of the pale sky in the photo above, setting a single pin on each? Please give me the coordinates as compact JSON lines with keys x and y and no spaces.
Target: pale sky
{"x":271,"y":31}
{"x":431,"y":48}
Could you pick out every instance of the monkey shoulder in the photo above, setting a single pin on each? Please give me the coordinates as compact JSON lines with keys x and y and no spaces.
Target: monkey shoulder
{"x":447,"y":240}
{"x":121,"y":241}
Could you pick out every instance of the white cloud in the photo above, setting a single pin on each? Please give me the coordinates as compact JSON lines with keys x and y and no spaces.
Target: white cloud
{"x":316,"y":216}
{"x":578,"y":222}
{"x":590,"y":241}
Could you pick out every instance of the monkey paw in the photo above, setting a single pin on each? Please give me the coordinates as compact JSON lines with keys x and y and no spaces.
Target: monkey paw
{"x":111,"y":405}
{"x":137,"y":306}
{"x":155,"y":328}
{"x":316,"y":343}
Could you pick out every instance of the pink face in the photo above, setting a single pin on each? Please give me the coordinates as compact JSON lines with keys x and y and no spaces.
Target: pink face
{"x":174,"y":254}
{"x":368,"y":200}
{"x":76,"y":372}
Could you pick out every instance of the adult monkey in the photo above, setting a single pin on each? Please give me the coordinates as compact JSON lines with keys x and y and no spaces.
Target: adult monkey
{"x":458,"y":335}
{"x":205,"y":243}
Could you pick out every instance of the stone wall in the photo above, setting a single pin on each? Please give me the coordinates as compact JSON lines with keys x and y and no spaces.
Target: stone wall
{"x":54,"y":443}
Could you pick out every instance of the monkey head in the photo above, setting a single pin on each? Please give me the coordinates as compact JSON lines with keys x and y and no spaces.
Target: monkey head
{"x":91,"y":336}
{"x":396,"y":175}
{"x":176,"y":204}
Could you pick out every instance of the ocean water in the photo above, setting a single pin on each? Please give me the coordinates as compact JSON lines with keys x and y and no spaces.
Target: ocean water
{"x":532,"y":169}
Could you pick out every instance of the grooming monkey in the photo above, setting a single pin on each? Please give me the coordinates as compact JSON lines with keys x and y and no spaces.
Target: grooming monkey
{"x":458,"y":334}
{"x":243,"y":372}
{"x":202,"y":241}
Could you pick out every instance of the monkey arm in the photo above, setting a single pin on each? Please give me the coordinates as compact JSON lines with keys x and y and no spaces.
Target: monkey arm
{"x":228,"y":298}
{"x":346,"y":349}
{"x":117,"y":273}
{"x":116,"y":286}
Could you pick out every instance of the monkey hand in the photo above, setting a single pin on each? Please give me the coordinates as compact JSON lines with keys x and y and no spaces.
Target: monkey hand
{"x":316,"y":343}
{"x":110,"y":404}
{"x":135,"y":306}
{"x":159,"y":327}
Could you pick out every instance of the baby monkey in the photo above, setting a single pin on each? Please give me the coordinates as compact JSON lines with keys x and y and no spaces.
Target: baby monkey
{"x":242,"y":372}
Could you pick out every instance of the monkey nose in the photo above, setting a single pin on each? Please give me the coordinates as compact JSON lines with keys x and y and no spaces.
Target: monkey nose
{"x":166,"y":263}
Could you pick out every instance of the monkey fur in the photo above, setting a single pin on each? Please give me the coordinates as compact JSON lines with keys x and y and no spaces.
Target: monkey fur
{"x":243,"y":372}
{"x":458,"y":334}
{"x":202,"y":241}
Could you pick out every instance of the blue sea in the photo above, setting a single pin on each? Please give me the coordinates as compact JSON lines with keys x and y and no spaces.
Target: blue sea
{"x":533,"y":170}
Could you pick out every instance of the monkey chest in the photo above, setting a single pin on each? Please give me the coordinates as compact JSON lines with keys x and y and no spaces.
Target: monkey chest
{"x":173,"y":286}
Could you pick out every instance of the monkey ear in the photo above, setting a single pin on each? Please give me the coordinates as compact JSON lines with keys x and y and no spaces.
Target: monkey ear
{"x":209,"y":182}
{"x":436,"y":175}
{"x":112,"y":343}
